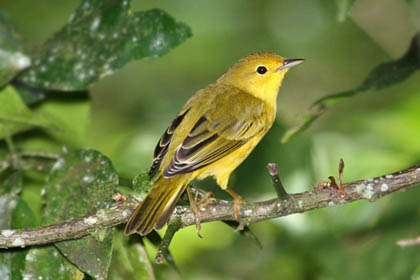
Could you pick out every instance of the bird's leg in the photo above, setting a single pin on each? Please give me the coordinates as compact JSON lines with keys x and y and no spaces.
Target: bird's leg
{"x":196,"y":204}
{"x":237,"y":202}
{"x":195,"y":210}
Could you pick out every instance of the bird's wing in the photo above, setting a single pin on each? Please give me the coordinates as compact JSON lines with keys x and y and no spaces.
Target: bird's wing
{"x":229,"y":122}
{"x":162,"y":146}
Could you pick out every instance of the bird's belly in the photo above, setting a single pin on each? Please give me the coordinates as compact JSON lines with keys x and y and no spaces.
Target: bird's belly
{"x":222,"y":168}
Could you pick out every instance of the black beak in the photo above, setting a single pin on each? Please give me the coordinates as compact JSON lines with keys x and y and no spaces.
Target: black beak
{"x":290,"y":63}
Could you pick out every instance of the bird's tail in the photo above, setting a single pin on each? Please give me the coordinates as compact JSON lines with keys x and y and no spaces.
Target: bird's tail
{"x":156,"y":208}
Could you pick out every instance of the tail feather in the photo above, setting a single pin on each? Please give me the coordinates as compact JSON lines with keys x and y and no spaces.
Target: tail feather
{"x":157,"y":207}
{"x":167,"y":212}
{"x":155,"y":213}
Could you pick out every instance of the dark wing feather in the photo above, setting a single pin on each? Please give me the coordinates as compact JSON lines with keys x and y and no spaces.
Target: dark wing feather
{"x":210,"y":141}
{"x":162,"y":146}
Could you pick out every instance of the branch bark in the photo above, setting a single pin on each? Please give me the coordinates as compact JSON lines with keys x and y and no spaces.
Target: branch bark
{"x":370,"y":189}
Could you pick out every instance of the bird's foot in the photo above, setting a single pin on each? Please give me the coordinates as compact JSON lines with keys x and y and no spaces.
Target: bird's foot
{"x":205,"y":199}
{"x":237,"y":203}
{"x":197,"y":203}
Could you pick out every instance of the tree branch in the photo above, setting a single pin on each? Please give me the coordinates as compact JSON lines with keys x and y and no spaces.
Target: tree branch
{"x":370,"y":189}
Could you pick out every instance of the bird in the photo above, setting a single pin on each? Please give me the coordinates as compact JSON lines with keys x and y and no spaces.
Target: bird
{"x":215,"y":131}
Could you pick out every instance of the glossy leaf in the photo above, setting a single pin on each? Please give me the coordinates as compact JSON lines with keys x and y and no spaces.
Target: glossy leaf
{"x":48,"y":263}
{"x":381,"y":77}
{"x":99,"y":39}
{"x":12,"y":58}
{"x":80,"y":184}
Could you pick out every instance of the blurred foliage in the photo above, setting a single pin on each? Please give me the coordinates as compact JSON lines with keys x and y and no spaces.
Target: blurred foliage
{"x":78,"y":44}
{"x":343,"y":8}
{"x":15,"y":116}
{"x":381,"y":77}
{"x":129,"y":259}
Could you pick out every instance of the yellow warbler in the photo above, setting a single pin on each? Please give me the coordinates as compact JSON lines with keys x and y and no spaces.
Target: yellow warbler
{"x":214,"y":132}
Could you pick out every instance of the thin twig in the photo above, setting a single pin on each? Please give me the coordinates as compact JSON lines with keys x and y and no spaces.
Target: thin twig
{"x":163,"y":249}
{"x":275,"y":179}
{"x":370,"y":189}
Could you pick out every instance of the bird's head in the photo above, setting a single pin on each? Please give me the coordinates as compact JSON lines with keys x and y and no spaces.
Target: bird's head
{"x":259,"y":74}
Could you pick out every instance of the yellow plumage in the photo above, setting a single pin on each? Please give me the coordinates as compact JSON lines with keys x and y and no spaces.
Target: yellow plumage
{"x":214,"y":132}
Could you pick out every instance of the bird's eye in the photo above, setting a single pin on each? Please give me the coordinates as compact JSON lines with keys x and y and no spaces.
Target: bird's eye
{"x":261,"y":70}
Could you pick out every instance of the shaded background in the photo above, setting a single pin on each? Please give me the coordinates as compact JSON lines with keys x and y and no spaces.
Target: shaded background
{"x":375,"y":132}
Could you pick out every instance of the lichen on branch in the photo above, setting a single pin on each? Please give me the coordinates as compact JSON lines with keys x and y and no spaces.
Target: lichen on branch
{"x":370,"y":189}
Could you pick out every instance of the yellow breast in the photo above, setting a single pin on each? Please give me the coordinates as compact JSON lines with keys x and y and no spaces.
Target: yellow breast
{"x":222,"y":168}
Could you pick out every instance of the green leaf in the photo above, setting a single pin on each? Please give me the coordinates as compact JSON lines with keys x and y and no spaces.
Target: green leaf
{"x":100,"y":37}
{"x":29,"y":95}
{"x":381,"y":77}
{"x":48,"y":263}
{"x":12,"y":60}
{"x":343,"y":8}
{"x":71,"y":116}
{"x":130,"y":259}
{"x":14,"y":214}
{"x":19,"y":263}
{"x":80,"y":184}
{"x":138,"y":186}
{"x":11,"y":186}
{"x":16,"y":117}
{"x":9,"y":190}
{"x":23,"y":217}
{"x":66,"y":121}
{"x":142,"y":184}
